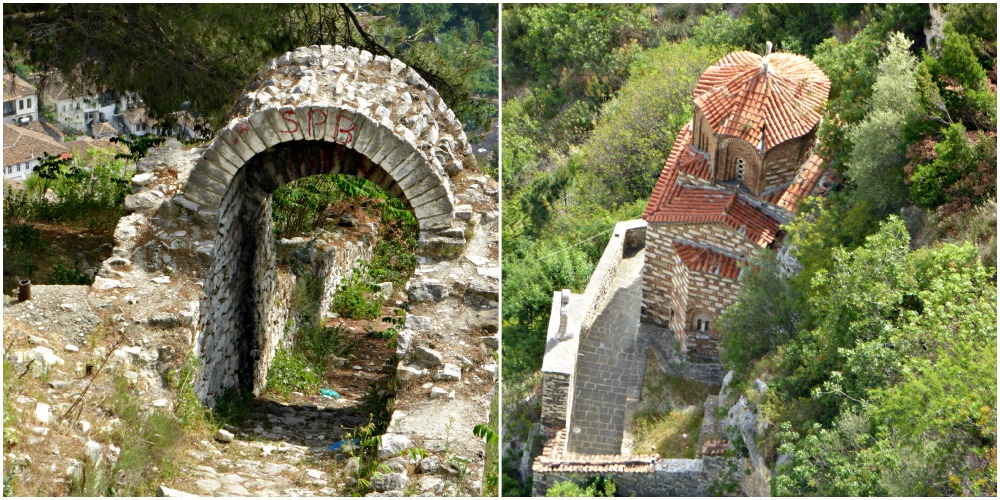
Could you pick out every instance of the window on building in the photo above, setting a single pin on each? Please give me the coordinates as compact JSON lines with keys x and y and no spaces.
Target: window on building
{"x":29,"y":103}
{"x":20,"y":104}
{"x":63,"y":108}
{"x":707,"y":328}
{"x":18,"y":167}
{"x":740,"y":168}
{"x":699,"y":326}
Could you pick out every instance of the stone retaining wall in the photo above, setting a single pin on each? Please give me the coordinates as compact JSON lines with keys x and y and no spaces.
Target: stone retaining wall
{"x":559,"y":364}
{"x":633,"y":475}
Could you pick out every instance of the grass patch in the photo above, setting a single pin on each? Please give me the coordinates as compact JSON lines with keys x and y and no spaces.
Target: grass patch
{"x":671,"y":434}
{"x":150,"y":443}
{"x":658,"y":386}
{"x":291,"y":371}
{"x":668,"y":421}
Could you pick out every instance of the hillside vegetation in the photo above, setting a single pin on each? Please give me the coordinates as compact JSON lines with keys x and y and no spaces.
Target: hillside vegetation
{"x":880,"y":354}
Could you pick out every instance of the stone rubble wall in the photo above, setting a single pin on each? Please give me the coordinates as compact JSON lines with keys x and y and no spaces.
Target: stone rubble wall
{"x":330,"y":256}
{"x":316,"y":110}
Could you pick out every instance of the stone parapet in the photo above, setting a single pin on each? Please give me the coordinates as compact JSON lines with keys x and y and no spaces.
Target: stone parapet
{"x":633,"y":475}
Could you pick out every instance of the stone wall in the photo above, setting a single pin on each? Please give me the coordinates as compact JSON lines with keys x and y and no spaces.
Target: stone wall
{"x":559,"y":363}
{"x":332,"y":256}
{"x":633,"y":232}
{"x":316,"y":110}
{"x":633,"y":475}
{"x":658,"y":273}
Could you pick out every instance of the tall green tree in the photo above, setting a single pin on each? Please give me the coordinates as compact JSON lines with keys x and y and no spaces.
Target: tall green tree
{"x":208,"y":50}
{"x":878,"y":151}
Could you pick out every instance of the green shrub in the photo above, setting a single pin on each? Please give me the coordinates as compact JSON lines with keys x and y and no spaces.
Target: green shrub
{"x":355,"y":299}
{"x":598,"y":487}
{"x":292,"y":372}
{"x":62,"y":275}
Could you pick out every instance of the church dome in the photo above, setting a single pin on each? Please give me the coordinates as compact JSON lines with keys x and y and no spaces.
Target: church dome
{"x":762,"y":100}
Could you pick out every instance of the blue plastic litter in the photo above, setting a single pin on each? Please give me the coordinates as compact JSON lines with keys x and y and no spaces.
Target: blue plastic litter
{"x":329,"y":393}
{"x":340,"y":444}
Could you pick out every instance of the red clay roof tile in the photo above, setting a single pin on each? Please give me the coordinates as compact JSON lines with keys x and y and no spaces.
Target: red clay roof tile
{"x":706,"y":260}
{"x":673,"y":202}
{"x":764,"y":108}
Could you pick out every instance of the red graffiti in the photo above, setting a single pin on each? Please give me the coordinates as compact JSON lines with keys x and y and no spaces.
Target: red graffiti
{"x":289,"y":117}
{"x":316,"y":118}
{"x":349,"y":131}
{"x":311,"y":122}
{"x":242,"y":127}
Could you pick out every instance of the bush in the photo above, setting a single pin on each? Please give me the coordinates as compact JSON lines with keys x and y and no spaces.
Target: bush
{"x":598,"y":487}
{"x":355,"y":299}
{"x":62,"y":275}
{"x":292,"y":372}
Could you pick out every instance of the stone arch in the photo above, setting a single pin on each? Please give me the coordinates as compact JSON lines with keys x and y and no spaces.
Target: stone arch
{"x":315,"y":110}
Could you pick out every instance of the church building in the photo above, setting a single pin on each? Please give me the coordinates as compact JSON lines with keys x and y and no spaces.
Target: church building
{"x":735,"y":174}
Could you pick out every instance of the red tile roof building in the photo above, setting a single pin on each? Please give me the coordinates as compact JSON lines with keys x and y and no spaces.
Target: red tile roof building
{"x":736,"y":172}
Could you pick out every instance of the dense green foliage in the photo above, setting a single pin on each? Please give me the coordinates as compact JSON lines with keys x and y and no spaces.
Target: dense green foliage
{"x":89,"y":189}
{"x":589,"y":117}
{"x":598,"y":487}
{"x":210,"y":51}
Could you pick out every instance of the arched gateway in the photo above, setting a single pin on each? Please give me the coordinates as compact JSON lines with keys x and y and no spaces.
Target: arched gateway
{"x":319,"y":109}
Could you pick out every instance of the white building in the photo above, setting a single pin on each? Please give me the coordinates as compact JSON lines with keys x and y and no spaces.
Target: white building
{"x":22,"y":149}
{"x":20,"y":100}
{"x":80,"y":110}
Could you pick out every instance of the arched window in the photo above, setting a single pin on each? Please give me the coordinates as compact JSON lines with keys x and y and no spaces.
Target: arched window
{"x":740,"y":168}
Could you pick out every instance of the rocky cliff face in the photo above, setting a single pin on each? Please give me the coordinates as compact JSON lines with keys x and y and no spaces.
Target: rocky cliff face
{"x":744,"y":425}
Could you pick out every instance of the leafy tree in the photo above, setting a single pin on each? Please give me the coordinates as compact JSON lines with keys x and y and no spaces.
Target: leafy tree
{"x":978,"y":22}
{"x":852,"y":69}
{"x":209,"y":50}
{"x":930,"y":428}
{"x":587,"y":48}
{"x":961,"y":81}
{"x":879,"y":149}
{"x":930,"y":181}
{"x":769,"y":311}
{"x":637,"y":128}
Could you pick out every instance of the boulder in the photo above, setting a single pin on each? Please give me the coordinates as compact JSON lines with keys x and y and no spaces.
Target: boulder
{"x":393,"y":444}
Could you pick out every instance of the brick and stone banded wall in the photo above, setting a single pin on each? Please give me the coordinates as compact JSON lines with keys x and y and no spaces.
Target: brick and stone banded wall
{"x":783,"y":161}
{"x":658,"y":285}
{"x":710,"y":294}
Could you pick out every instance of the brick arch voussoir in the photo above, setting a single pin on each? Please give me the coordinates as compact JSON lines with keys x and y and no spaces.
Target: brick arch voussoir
{"x":408,"y":172}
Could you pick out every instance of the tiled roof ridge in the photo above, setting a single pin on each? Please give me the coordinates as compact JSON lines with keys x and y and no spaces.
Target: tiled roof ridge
{"x":707,"y":259}
{"x":666,"y":184}
{"x":553,"y":459}
{"x":739,"y":99}
{"x":14,"y":87}
{"x":673,"y":202}
{"x":23,"y":144}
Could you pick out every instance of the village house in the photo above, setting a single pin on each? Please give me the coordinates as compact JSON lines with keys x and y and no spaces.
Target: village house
{"x":20,"y":100}
{"x":735,"y":174}
{"x":79,"y":110}
{"x":23,"y":149}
